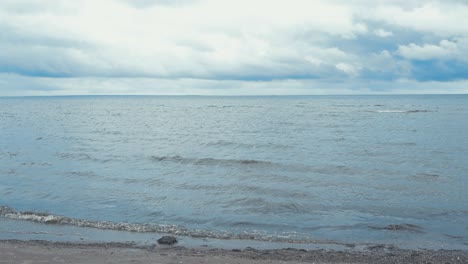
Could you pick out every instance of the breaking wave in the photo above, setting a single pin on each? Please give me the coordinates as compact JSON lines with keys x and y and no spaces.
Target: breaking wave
{"x":293,"y":238}
{"x":46,"y":218}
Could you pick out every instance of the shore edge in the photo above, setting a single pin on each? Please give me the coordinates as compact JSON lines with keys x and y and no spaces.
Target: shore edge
{"x":38,"y":251}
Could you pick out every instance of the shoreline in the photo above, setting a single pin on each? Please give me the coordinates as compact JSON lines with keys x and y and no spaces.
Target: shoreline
{"x":40,"y":251}
{"x":28,"y":226}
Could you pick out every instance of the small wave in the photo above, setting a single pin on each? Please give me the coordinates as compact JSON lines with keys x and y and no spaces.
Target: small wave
{"x":46,"y":218}
{"x":209,"y":161}
{"x":78,"y":156}
{"x":9,"y":154}
{"x":418,"y":111}
{"x":402,"y":111}
{"x":36,"y":164}
{"x":390,"y":111}
{"x":224,"y":143}
{"x":85,"y":156}
{"x":426,"y":177}
{"x":406,"y":144}
{"x":260,"y":205}
{"x":9,"y":172}
{"x":84,"y":174}
{"x":454,"y":237}
{"x":228,"y":106}
{"x":106,"y":132}
{"x":400,"y":227}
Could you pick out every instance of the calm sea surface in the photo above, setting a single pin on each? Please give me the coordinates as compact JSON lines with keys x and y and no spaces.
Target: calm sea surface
{"x":363,"y":169}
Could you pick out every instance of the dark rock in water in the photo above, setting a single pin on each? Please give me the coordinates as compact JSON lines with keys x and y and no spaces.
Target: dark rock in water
{"x":167,"y":240}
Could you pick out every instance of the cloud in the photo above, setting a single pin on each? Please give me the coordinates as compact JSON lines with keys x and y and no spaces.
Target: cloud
{"x":237,"y":42}
{"x":383,"y":33}
{"x":442,"y":18}
{"x":445,"y":50}
{"x":37,"y":86}
{"x":152,"y":3}
{"x":349,"y":69}
{"x":29,"y":7}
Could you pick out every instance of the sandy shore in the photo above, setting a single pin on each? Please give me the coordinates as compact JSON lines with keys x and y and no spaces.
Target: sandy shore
{"x":14,"y":251}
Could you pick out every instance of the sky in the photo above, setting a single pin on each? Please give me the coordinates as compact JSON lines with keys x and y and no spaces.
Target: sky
{"x":227,"y":47}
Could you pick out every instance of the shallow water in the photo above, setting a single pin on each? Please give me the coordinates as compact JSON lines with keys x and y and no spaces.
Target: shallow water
{"x":288,"y":169}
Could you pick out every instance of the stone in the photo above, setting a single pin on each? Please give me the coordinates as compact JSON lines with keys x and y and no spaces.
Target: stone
{"x":167,"y":240}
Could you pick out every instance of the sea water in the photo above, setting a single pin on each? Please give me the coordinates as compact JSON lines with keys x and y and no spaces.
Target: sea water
{"x":294,"y":169}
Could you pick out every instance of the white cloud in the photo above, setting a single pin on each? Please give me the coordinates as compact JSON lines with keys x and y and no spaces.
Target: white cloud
{"x":203,"y":39}
{"x":349,"y":69}
{"x":313,"y":60}
{"x":383,"y":33}
{"x":443,"y":18}
{"x":256,"y":40}
{"x":445,"y":50}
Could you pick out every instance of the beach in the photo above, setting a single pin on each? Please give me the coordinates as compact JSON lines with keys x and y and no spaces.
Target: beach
{"x":236,"y":132}
{"x":15,"y":251}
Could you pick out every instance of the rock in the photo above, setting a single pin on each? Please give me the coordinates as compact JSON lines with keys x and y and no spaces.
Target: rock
{"x":167,"y":240}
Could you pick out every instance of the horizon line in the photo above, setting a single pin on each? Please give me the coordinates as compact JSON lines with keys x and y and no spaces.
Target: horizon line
{"x":240,"y":95}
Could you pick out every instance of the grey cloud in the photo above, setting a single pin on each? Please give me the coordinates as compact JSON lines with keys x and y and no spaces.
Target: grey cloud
{"x":36,"y":54}
{"x":16,"y":85}
{"x":212,"y":54}
{"x":28,"y":7}
{"x":20,"y":85}
{"x":16,"y":36}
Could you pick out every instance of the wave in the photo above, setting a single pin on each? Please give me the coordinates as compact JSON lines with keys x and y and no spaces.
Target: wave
{"x":46,"y":218}
{"x":224,"y":143}
{"x":51,"y":219}
{"x":8,"y":154}
{"x":403,"y":111}
{"x":399,"y":227}
{"x":87,"y":157}
{"x":209,"y":161}
{"x":427,"y":177}
{"x":263,"y":206}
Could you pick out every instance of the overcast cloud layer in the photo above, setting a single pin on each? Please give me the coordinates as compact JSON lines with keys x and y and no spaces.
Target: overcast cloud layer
{"x":221,"y":47}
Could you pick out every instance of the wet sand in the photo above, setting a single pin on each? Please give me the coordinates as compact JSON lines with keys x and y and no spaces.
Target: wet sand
{"x":14,"y":251}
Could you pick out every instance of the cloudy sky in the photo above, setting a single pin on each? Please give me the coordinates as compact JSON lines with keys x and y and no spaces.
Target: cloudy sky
{"x":227,"y":47}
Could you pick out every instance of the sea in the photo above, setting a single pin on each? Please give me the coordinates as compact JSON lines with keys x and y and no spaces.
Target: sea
{"x":290,"y":171}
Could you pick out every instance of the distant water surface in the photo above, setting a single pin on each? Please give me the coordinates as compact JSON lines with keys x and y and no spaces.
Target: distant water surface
{"x":380,"y":169}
